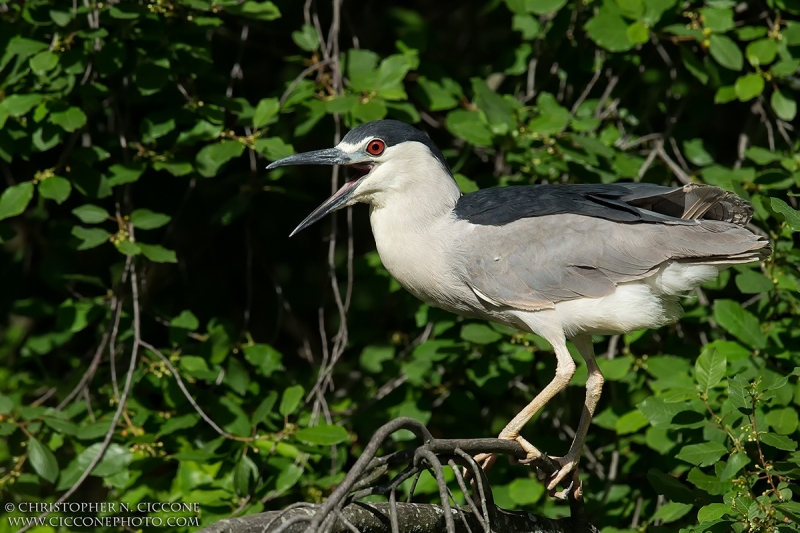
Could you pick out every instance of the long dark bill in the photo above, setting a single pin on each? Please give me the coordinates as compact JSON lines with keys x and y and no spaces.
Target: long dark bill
{"x":328,"y":156}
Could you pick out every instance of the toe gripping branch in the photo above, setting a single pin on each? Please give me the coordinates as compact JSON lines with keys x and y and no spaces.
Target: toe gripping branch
{"x":345,"y":511}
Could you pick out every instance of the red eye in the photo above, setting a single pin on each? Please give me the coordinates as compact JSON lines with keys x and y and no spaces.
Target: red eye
{"x":376,"y":147}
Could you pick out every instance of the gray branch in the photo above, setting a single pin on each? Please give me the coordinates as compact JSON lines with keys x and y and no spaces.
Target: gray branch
{"x":411,"y":517}
{"x":345,"y":511}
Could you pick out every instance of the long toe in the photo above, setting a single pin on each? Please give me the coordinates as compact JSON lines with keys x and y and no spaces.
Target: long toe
{"x":567,"y":465}
{"x":485,"y":460}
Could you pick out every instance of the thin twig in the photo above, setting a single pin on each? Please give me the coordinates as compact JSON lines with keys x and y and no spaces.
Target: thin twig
{"x":186,"y":392}
{"x":117,"y":414}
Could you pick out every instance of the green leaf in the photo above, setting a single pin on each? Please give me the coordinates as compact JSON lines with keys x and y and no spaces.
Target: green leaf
{"x":156,"y":126}
{"x":725,"y":95}
{"x":15,"y":199}
{"x":43,"y":62}
{"x":243,"y":475}
{"x":468,"y":126}
{"x":290,"y":401}
{"x":6,"y":404}
{"x":146,"y":219}
{"x":127,"y":173}
{"x":374,"y":109}
{"x":185,"y":320}
{"x":391,"y":73}
{"x":91,"y":214}
{"x":738,"y":394}
{"x":694,"y":65}
{"x":672,"y":511}
{"x":791,"y":216}
{"x":55,"y":188}
{"x":128,"y":247}
{"x":115,"y":459}
{"x":323,"y":435}
{"x":660,"y":413}
{"x":630,"y":422}
{"x":273,"y":148}
{"x":306,"y":38}
{"x":479,"y":334}
{"x":712,"y":511}
{"x":178,"y":422}
{"x":761,"y":52}
{"x":62,"y":426}
{"x":710,"y":484}
{"x":212,"y":157}
{"x":785,"y":68}
{"x":750,"y":33}
{"x":264,"y":356}
{"x":435,"y":96}
{"x":158,"y":254}
{"x":740,"y":323}
{"x":655,"y":8}
{"x":736,"y":462}
{"x":70,"y":120}
{"x":525,"y":491}
{"x":748,"y":86}
{"x":704,"y":454}
{"x":264,"y":11}
{"x":633,"y":9}
{"x":784,"y":106}
{"x":373,"y":357}
{"x":203,"y":130}
{"x":762,"y":156}
{"x":527,"y":25}
{"x":499,"y":113}
{"x":265,"y":407}
{"x":265,"y":110}
{"x":638,"y":33}
{"x":176,"y":168}
{"x":42,"y":460}
{"x":543,"y":7}
{"x":552,"y":118}
{"x":62,"y":18}
{"x":609,"y":31}
{"x":287,"y":478}
{"x":717,"y":20}
{"x":465,"y":184}
{"x":783,"y":421}
{"x":615,"y":369}
{"x":752,"y":282}
{"x":726,"y":52}
{"x":19,"y":104}
{"x":90,"y":237}
{"x":669,"y":486}
{"x":710,"y":368}
{"x":780,"y":442}
{"x":151,"y":77}
{"x":697,"y":153}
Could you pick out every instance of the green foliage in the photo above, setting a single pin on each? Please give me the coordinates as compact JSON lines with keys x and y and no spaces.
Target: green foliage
{"x":133,"y":141}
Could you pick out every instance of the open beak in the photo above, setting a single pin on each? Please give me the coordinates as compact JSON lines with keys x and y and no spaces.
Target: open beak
{"x":329,"y":156}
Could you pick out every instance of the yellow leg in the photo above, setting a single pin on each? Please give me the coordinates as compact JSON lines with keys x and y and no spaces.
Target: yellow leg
{"x":594,"y":388}
{"x":565,"y":369}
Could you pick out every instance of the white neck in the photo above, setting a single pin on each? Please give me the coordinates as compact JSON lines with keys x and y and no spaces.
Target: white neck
{"x":411,"y":218}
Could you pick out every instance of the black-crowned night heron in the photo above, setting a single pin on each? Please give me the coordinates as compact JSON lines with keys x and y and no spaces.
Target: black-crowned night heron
{"x":561,"y":261}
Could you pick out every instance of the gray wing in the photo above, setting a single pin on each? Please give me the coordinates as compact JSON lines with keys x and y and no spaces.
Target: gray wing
{"x":534,"y":263}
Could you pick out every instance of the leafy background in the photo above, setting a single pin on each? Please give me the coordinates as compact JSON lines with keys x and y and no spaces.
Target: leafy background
{"x":155,"y":310}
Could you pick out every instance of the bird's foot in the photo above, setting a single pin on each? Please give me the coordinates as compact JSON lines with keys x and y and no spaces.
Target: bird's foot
{"x":568,"y":465}
{"x":486,"y":460}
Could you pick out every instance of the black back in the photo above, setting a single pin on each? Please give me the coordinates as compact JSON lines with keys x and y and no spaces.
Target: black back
{"x":618,"y":202}
{"x":394,"y":132}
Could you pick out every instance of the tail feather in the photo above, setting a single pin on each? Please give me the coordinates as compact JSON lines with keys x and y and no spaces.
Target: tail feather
{"x":695,"y":201}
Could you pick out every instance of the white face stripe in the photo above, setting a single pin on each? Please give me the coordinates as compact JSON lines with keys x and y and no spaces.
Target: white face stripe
{"x":351,"y":148}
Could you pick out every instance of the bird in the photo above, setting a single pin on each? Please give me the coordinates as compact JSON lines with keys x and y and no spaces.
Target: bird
{"x":562,"y":261}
